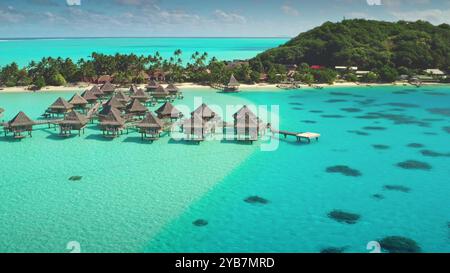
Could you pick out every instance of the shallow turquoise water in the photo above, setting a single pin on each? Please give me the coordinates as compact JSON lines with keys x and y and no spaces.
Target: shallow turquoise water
{"x":24,"y":51}
{"x":137,"y":197}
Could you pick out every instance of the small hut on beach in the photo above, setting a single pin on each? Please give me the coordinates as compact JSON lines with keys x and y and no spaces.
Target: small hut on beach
{"x":168,"y":111}
{"x":161,"y":94}
{"x":73,"y":121}
{"x":113,"y":102}
{"x":89,"y":96}
{"x":140,"y":95}
{"x":194,"y":128}
{"x":19,"y":124}
{"x":59,"y":107}
{"x":122,"y":97}
{"x":78,"y":102}
{"x":152,"y":86}
{"x":111,"y":122}
{"x":204,"y":112}
{"x":173,"y":91}
{"x":150,"y":127}
{"x":108,"y":88}
{"x":135,"y":108}
{"x":233,"y":85}
{"x":97,"y":92}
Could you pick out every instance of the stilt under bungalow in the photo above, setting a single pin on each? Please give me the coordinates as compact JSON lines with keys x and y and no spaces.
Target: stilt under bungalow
{"x":136,"y":109}
{"x":194,"y":129}
{"x":168,"y":111}
{"x":152,"y":86}
{"x":112,"y":124}
{"x":161,"y":94}
{"x":247,"y":124}
{"x":232,"y":86}
{"x":59,"y":107}
{"x":150,"y":127}
{"x":89,"y":96}
{"x":73,"y":121}
{"x":79,"y":103}
{"x":108,"y":88}
{"x":174,"y":91}
{"x":20,"y":124}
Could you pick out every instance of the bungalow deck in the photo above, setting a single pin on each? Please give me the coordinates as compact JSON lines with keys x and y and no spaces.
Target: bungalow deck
{"x":308,"y":136}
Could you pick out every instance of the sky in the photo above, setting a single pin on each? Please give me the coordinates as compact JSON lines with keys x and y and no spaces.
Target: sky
{"x":200,"y":18}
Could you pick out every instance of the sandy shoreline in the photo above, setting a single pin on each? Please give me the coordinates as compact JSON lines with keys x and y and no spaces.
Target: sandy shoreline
{"x":190,"y":86}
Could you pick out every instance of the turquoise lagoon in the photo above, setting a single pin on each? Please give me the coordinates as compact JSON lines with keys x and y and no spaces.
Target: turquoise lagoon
{"x":140,"y":197}
{"x":22,"y":51}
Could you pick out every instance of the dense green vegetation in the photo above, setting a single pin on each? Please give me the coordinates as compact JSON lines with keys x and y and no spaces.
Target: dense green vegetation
{"x":388,"y":49}
{"x":385,"y":49}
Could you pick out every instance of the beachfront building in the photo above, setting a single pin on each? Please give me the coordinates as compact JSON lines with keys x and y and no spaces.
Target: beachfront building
{"x":104,"y":79}
{"x":113,"y":102}
{"x":233,"y":85}
{"x":78,"y":103}
{"x":173,"y":91}
{"x":73,"y":121}
{"x":152,"y":86}
{"x":194,"y":128}
{"x":136,"y":109}
{"x":21,"y":123}
{"x":140,"y":95}
{"x":361,"y":73}
{"x":436,"y":73}
{"x":150,"y":127}
{"x":160,"y":94}
{"x":122,"y":97}
{"x":59,"y":107}
{"x":89,"y":96}
{"x":108,"y":88}
{"x":111,"y":122}
{"x":204,"y":112}
{"x":169,"y":112}
{"x":97,"y":92}
{"x":343,"y":68}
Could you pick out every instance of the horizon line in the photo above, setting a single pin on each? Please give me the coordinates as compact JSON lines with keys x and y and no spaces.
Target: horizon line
{"x":146,"y":37}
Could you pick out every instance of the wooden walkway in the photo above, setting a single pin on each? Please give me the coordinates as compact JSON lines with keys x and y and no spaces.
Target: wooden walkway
{"x":298,"y":135}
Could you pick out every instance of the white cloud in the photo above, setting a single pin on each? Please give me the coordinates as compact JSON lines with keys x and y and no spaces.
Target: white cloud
{"x":10,"y":15}
{"x":230,"y":18}
{"x":289,"y":10}
{"x":435,"y":16}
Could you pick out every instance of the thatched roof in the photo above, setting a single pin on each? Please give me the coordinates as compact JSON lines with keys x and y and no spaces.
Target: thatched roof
{"x":194,"y":122}
{"x":204,"y":111}
{"x":111,"y":116}
{"x":21,"y":120}
{"x":96,"y":91}
{"x":168,"y":110}
{"x":104,"y":78}
{"x":133,"y":89}
{"x":122,"y":97}
{"x":74,"y":118}
{"x":244,"y":111}
{"x":150,"y":121}
{"x":78,"y":100}
{"x":60,"y":104}
{"x":136,"y":106}
{"x":246,"y":121}
{"x":171,"y":88}
{"x":233,"y":82}
{"x":139,"y":94}
{"x":153,"y":84}
{"x":89,"y":95}
{"x":108,"y":87}
{"x":114,"y":103}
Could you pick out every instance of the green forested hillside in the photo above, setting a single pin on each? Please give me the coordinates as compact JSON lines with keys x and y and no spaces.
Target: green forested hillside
{"x":370,"y":45}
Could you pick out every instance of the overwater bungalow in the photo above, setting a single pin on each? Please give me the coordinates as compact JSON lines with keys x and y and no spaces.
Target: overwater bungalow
{"x":194,"y":128}
{"x":113,"y":102}
{"x":73,"y":121}
{"x":168,"y":111}
{"x":152,"y":86}
{"x":204,"y":112}
{"x":140,"y":95}
{"x":233,"y":85}
{"x":59,"y":107}
{"x":122,"y":97}
{"x":89,"y":96}
{"x":135,"y":108}
{"x":108,"y":88}
{"x":247,"y":126}
{"x":97,"y":92}
{"x":111,"y":122}
{"x":173,"y":91}
{"x":19,"y":124}
{"x":161,"y":94}
{"x":150,"y":127}
{"x":133,"y":89}
{"x":78,"y":102}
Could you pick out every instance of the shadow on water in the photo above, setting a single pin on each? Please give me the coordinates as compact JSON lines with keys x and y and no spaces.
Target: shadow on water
{"x":183,"y":142}
{"x":99,"y":137}
{"x":138,"y":140}
{"x":232,"y":141}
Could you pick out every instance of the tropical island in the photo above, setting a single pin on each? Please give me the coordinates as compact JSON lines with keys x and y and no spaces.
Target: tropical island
{"x":358,"y":50}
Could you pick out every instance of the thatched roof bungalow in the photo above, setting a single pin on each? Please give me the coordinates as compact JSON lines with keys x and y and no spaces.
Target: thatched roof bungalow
{"x":150,"y":125}
{"x":111,"y":122}
{"x":136,"y":108}
{"x":59,"y":107}
{"x":122,"y":97}
{"x":168,"y":111}
{"x":152,"y":86}
{"x":161,"y":94}
{"x":78,"y":102}
{"x":204,"y":112}
{"x":108,"y":88}
{"x":89,"y":96}
{"x":113,"y":102}
{"x":104,"y":79}
{"x":72,"y":121}
{"x":97,"y":92}
{"x":173,"y":90}
{"x":246,"y":124}
{"x":194,"y":128}
{"x":233,"y":85}
{"x":19,"y":124}
{"x":140,"y":95}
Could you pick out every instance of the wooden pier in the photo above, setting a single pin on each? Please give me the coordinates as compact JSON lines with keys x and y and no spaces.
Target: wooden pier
{"x":308,"y":136}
